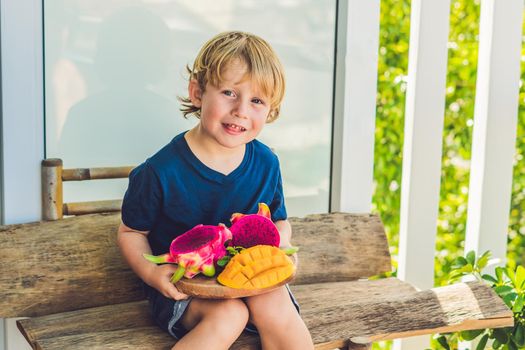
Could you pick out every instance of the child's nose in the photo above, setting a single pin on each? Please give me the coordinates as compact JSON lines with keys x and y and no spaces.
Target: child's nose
{"x":241,"y":109}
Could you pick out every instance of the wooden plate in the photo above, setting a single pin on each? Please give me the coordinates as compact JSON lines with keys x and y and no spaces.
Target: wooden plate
{"x":208,"y":288}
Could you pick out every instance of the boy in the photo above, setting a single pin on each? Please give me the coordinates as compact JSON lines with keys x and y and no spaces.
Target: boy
{"x":204,"y":175}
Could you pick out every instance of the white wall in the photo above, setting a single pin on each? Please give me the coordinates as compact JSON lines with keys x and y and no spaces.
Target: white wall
{"x":22,"y":122}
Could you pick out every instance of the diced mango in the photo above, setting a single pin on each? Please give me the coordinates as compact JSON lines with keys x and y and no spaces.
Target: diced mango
{"x":257,"y":267}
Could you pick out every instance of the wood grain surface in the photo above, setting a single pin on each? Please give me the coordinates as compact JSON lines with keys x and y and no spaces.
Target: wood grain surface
{"x":74,"y":263}
{"x":335,"y":312}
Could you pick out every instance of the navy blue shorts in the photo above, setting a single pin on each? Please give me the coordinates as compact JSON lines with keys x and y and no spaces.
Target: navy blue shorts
{"x":167,"y":312}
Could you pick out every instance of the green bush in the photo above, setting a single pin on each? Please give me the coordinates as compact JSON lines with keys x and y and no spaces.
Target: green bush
{"x":509,"y":284}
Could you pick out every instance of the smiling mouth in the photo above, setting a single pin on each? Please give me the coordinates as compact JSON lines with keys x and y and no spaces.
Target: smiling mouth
{"x":234,"y":127}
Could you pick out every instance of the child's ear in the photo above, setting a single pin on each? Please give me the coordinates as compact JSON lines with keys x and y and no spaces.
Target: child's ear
{"x":195,"y":93}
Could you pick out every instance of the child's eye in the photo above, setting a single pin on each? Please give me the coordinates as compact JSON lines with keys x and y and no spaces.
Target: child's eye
{"x":257,"y":101}
{"x":228,"y":93}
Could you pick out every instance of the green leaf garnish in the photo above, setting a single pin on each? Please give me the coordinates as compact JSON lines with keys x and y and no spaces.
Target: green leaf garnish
{"x":223,"y":261}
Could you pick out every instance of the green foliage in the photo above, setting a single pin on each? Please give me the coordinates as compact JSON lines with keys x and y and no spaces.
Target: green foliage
{"x":457,"y":135}
{"x":509,"y":284}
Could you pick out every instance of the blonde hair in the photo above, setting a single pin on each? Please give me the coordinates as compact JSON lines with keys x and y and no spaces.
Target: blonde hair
{"x":262,"y":64}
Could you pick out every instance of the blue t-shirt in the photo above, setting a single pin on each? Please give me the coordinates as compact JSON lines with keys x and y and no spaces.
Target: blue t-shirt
{"x":173,"y":191}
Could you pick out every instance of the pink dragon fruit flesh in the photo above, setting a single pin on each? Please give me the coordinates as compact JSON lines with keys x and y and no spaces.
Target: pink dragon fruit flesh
{"x":254,"y":229}
{"x":195,"y":251}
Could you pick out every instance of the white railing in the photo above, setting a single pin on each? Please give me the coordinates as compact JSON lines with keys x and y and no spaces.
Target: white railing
{"x":495,"y":122}
{"x":423,"y":135}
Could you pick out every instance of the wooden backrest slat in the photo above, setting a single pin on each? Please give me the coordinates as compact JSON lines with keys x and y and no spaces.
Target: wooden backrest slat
{"x":340,"y":247}
{"x":80,"y":174}
{"x":74,"y":263}
{"x":83,"y":208}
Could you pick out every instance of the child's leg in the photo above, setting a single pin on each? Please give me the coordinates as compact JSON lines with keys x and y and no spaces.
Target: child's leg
{"x":213,"y":324}
{"x":278,"y":321}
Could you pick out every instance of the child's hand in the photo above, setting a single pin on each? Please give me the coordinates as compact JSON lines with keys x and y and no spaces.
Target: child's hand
{"x":160,"y":280}
{"x":295,"y":259}
{"x":294,"y":256}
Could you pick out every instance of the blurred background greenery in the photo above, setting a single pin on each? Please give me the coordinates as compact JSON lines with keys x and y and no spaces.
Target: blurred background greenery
{"x":457,"y":135}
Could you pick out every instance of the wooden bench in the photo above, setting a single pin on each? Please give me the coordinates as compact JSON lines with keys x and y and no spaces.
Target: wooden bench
{"x":68,"y":276}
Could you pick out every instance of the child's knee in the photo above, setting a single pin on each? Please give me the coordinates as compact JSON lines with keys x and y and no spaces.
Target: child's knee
{"x":228,"y":319}
{"x":272,"y":310}
{"x":228,"y":313}
{"x":233,"y":310}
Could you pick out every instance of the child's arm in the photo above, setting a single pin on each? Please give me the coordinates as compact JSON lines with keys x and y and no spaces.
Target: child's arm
{"x":285,"y":230}
{"x":133,"y":244}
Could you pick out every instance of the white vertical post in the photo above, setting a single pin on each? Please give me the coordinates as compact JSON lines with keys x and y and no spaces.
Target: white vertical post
{"x":424,"y":115}
{"x":495,"y":124}
{"x":22,"y":109}
{"x":355,"y":105}
{"x":22,"y":114}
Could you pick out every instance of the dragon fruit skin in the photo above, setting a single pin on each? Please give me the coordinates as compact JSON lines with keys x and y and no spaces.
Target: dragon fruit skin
{"x":254,"y":229}
{"x":195,"y":251}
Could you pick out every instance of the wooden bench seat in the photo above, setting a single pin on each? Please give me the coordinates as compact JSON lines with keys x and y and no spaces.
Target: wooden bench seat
{"x":361,"y":311}
{"x":69,"y":277}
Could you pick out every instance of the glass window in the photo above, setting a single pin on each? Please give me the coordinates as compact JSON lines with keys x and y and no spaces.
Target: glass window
{"x":113,"y":70}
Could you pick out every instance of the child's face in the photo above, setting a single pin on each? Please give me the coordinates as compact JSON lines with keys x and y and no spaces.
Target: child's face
{"x":233,"y":113}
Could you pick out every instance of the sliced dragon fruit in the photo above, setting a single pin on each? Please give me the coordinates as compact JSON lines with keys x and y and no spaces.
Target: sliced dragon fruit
{"x":195,"y":251}
{"x":254,"y":229}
